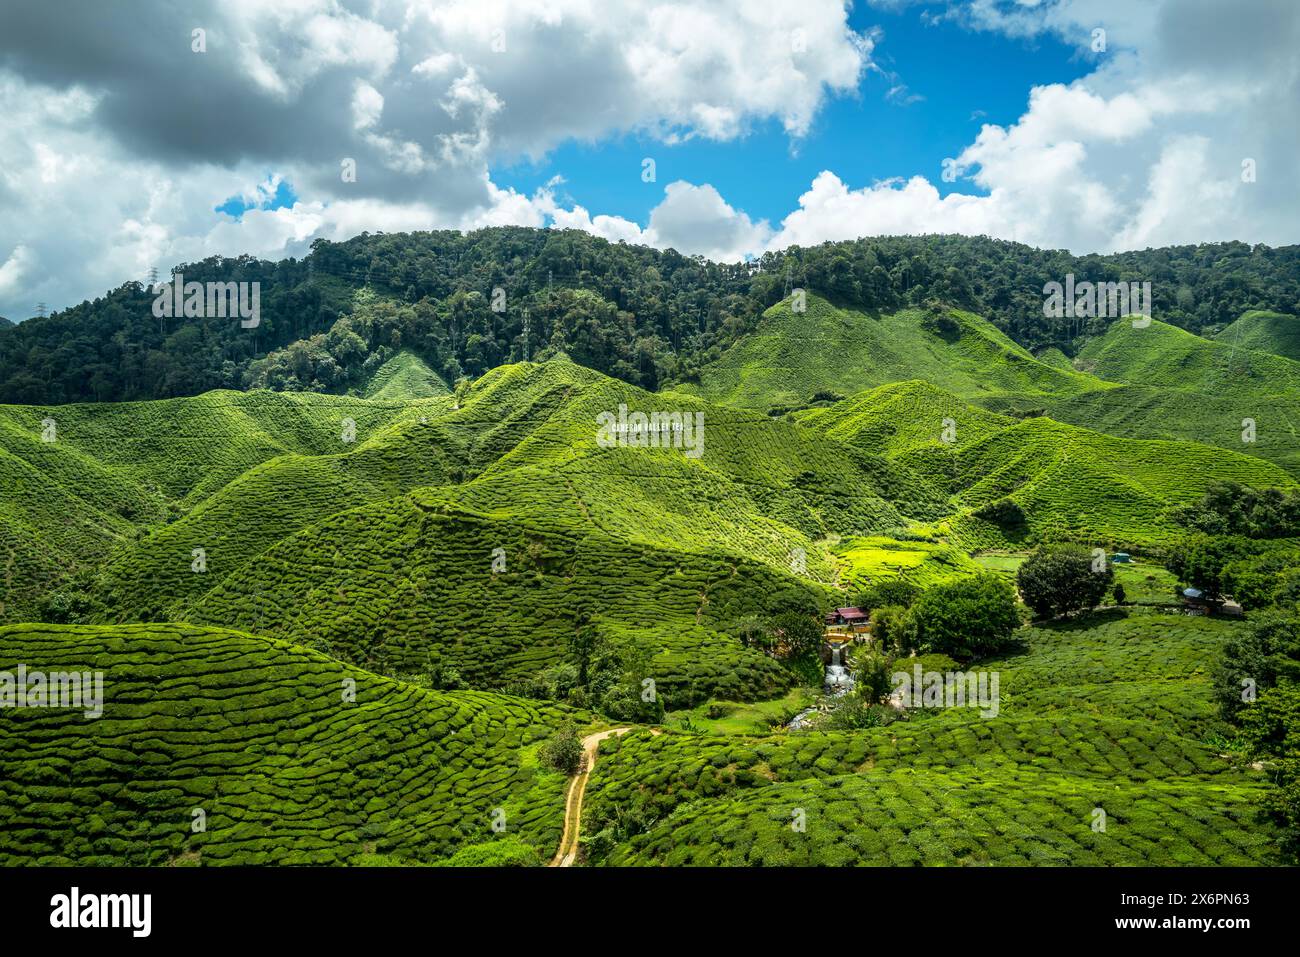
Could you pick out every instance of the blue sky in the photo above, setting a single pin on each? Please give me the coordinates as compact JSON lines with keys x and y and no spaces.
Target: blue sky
{"x":955,"y":78}
{"x":281,"y":197}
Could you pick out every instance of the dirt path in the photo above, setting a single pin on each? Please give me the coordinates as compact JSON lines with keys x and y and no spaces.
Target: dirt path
{"x":568,"y":851}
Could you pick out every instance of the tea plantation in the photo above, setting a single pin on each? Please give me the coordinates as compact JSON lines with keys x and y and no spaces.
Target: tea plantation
{"x":1265,"y":331}
{"x":216,"y":747}
{"x":792,"y":356}
{"x":272,"y":582}
{"x":1110,"y":713}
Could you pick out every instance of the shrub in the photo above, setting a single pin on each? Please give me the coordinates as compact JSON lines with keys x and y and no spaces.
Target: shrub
{"x":852,"y":713}
{"x":1271,"y":729}
{"x":505,"y":852}
{"x":1199,"y":560}
{"x":442,"y":676}
{"x":563,"y":750}
{"x":1263,"y":580}
{"x":1005,"y":514}
{"x":891,"y":591}
{"x":887,"y":627}
{"x":873,"y":677}
{"x":799,"y":634}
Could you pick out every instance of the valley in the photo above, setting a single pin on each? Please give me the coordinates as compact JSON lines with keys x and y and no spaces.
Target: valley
{"x":396,"y":622}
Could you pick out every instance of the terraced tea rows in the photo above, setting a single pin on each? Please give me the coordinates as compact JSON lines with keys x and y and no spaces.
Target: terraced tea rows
{"x":291,"y":757}
{"x":1098,"y":489}
{"x":385,"y":584}
{"x":792,"y":356}
{"x":1217,"y":418}
{"x":1065,"y":480}
{"x":404,"y":376}
{"x":1273,"y":332}
{"x":872,"y":559}
{"x":904,"y":818}
{"x":902,"y":417}
{"x":1165,"y":356}
{"x":1109,"y":712}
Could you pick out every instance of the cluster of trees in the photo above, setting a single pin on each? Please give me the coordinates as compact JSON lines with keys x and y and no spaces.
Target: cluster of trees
{"x":1229,"y":508}
{"x":953,"y":622}
{"x":1242,"y":545}
{"x":606,"y":672}
{"x":642,"y":315}
{"x":1239,"y":545}
{"x":964,"y":619}
{"x":786,"y":635}
{"x":1063,"y":579}
{"x":1257,"y":684}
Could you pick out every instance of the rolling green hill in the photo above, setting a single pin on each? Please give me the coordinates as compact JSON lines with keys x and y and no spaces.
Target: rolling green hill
{"x":790,"y":357}
{"x":404,"y":376}
{"x":1264,"y":331}
{"x":1180,"y":386}
{"x":1066,"y":480}
{"x":522,"y":449}
{"x":1095,"y":488}
{"x":386,"y":584}
{"x":380,"y":549}
{"x":84,"y":482}
{"x":903,"y":416}
{"x":262,"y":738}
{"x":1215,"y":419}
{"x":1164,"y":356}
{"x":271,"y":581}
{"x":485,"y":530}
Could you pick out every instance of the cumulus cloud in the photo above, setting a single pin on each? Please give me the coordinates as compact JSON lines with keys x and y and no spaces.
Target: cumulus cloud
{"x":1148,"y":149}
{"x":120,"y":138}
{"x":696,"y":220}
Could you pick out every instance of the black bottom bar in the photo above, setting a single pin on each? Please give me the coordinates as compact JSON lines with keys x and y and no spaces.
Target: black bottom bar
{"x":492,"y":907}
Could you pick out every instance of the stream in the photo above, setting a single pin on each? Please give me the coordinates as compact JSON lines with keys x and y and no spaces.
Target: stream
{"x":837,"y":682}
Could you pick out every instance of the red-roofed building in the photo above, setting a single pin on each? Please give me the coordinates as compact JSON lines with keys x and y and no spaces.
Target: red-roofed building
{"x":850,"y":616}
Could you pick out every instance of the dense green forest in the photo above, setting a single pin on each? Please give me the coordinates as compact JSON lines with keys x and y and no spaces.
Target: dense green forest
{"x":645,"y":316}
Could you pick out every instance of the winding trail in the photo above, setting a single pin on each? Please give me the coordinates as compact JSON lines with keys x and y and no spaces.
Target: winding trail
{"x":568,"y":851}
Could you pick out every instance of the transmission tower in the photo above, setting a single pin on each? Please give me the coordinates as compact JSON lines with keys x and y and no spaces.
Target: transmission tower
{"x":40,"y":309}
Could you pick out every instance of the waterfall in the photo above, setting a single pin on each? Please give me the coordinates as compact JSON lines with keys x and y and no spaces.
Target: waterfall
{"x":838,"y":680}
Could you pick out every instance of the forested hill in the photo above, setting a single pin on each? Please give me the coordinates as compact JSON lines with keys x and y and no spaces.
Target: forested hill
{"x":646,"y":316}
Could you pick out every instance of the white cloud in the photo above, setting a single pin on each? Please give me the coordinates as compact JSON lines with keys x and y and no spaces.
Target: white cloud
{"x":100,"y":183}
{"x":614,"y":228}
{"x":11,"y":271}
{"x":1145,"y":150}
{"x":696,"y":220}
{"x":367,"y":105}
